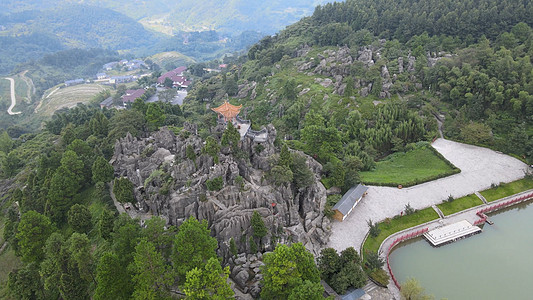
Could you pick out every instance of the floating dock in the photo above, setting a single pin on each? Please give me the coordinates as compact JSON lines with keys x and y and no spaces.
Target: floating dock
{"x":450,"y":233}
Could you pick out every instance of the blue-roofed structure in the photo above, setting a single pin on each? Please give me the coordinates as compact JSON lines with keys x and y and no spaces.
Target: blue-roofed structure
{"x":353,"y":295}
{"x":73,"y":82}
{"x":347,"y":203}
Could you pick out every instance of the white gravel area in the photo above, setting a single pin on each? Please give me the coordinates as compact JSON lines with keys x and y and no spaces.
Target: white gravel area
{"x":480,"y":167}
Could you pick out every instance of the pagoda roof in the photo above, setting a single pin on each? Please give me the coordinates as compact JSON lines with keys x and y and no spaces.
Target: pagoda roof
{"x":228,"y":110}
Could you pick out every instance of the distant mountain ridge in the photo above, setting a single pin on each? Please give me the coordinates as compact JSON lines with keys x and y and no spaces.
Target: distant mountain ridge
{"x":230,"y":16}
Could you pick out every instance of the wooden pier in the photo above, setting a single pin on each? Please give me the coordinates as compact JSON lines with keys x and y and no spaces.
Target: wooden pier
{"x":450,"y":233}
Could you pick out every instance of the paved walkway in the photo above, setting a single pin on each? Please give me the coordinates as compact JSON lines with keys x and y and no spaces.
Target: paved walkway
{"x":480,"y":167}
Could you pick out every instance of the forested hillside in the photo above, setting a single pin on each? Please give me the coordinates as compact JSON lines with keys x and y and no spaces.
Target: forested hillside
{"x":354,"y":84}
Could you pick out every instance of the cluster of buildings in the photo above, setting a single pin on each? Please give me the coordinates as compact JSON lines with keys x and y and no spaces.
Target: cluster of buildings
{"x":133,"y":64}
{"x":102,"y":77}
{"x":128,"y":97}
{"x":179,"y":81}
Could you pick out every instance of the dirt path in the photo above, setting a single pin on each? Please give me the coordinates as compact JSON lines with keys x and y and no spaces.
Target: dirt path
{"x":43,"y":98}
{"x":13,"y":98}
{"x":29,"y":83}
{"x":480,"y":167}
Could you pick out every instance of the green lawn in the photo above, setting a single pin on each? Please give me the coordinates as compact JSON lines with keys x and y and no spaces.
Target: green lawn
{"x":508,"y":189}
{"x":397,"y":224}
{"x":414,"y":167}
{"x":460,"y":204}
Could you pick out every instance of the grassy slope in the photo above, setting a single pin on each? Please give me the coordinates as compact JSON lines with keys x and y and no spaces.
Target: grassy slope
{"x":460,"y":204}
{"x":69,"y":97}
{"x":172,"y":57}
{"x":415,"y":165}
{"x":508,"y":189}
{"x":397,"y":224}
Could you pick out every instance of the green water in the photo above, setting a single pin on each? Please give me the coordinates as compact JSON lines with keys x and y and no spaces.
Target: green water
{"x":495,"y":264}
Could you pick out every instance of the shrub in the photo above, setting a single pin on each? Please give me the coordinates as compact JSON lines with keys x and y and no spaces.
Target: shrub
{"x":374,"y":228}
{"x":450,"y":198}
{"x":408,"y":209}
{"x":215,"y":184}
{"x":380,"y":276}
{"x":239,"y":181}
{"x":253,"y":245}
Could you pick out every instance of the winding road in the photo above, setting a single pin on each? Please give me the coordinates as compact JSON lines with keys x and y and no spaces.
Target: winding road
{"x":13,"y":98}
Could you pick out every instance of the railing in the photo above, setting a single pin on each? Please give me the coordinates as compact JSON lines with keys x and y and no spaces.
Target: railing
{"x":396,"y":242}
{"x":482,"y":212}
{"x":242,"y":121}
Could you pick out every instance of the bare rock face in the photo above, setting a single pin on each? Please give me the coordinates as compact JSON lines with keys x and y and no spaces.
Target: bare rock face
{"x":245,"y":88}
{"x":411,"y":63}
{"x":400,"y":65}
{"x":365,"y":56}
{"x":169,"y":184}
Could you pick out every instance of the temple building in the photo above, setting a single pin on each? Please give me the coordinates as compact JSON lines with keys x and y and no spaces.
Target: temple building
{"x":230,"y":113}
{"x":227,"y":112}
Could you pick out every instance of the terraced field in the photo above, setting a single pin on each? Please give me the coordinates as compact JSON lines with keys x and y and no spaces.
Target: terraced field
{"x":69,"y":97}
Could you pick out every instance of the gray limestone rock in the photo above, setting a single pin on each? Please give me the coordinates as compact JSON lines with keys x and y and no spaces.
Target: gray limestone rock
{"x":241,"y":278}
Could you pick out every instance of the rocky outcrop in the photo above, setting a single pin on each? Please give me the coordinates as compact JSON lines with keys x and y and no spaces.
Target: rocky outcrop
{"x":245,"y":88}
{"x":245,"y":272}
{"x":168,"y":183}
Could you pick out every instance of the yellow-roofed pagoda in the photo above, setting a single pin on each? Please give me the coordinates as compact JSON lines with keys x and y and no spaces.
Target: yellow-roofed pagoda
{"x":227,"y":111}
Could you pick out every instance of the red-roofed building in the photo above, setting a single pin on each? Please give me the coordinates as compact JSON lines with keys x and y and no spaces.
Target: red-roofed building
{"x":176,"y":75}
{"x":131,"y":95}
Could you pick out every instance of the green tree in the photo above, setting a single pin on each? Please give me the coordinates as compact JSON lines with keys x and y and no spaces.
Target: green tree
{"x":105,"y":223}
{"x":52,"y":264}
{"x":258,"y":226}
{"x":123,"y":190}
{"x":328,"y":263}
{"x":112,"y":279}
{"x":152,"y":276}
{"x":99,"y":125}
{"x":302,"y":176}
{"x":155,"y":116}
{"x":167,"y":95}
{"x":190,"y":153}
{"x":124,"y":121}
{"x":412,"y":290}
{"x":231,"y":137}
{"x":102,"y":171}
{"x":308,"y":290}
{"x":79,"y":217}
{"x":286,"y":268}
{"x":26,"y":283}
{"x":231,"y":86}
{"x":285,"y":158}
{"x":233,"y":247}
{"x":373,"y":261}
{"x":80,"y":255}
{"x":209,"y":282}
{"x":125,"y":237}
{"x":157,"y":233}
{"x":476,"y":133}
{"x":281,"y":175}
{"x":211,"y":147}
{"x":193,"y":246}
{"x":6,"y":143}
{"x":11,"y":164}
{"x":32,"y":232}
{"x":253,"y":245}
{"x":168,"y":82}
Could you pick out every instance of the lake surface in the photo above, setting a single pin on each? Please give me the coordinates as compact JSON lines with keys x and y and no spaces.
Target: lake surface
{"x":495,"y":264}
